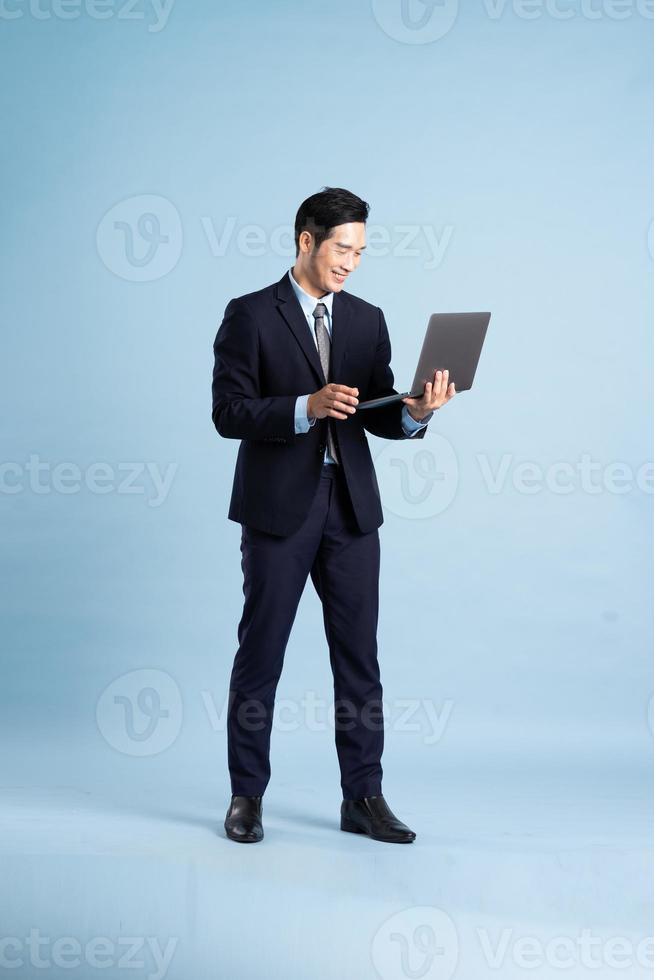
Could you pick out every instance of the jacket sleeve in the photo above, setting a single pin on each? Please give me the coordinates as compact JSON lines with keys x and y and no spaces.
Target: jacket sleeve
{"x":386,"y":421}
{"x":238,"y":410}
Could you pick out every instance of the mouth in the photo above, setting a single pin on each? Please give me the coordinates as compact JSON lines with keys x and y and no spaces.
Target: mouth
{"x":339,"y":277}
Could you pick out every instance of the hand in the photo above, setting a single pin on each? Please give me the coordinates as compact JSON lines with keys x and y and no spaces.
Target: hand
{"x":334,"y":401}
{"x":435,"y":395}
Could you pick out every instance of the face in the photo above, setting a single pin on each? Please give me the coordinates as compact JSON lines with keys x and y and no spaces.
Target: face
{"x":328,"y":267}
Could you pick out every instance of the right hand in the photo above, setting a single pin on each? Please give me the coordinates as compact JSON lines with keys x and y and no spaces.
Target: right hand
{"x":333,"y":401}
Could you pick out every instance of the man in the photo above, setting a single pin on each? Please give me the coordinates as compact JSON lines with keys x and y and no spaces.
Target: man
{"x":292,"y":361}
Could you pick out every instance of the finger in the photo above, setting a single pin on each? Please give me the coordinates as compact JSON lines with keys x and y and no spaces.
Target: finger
{"x":342,"y":405}
{"x":445,"y":377}
{"x":428,"y":394}
{"x":446,"y":396}
{"x":335,"y":415}
{"x":345,"y":390}
{"x":448,"y":392}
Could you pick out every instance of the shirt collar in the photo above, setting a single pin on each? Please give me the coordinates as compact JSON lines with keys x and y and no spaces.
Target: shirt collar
{"x":307,"y":302}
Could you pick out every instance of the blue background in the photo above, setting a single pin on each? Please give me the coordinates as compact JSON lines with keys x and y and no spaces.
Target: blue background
{"x":152,"y":165}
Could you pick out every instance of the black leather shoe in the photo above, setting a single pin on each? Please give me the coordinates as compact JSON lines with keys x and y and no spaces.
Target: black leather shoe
{"x":373,"y":816}
{"x":243,"y":820}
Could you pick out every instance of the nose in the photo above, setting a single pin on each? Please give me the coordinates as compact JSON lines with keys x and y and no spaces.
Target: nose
{"x":348,"y":263}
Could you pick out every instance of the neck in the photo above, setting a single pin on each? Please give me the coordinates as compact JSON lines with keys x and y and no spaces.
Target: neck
{"x":302,"y":280}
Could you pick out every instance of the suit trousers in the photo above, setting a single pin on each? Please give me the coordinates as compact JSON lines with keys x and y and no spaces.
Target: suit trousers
{"x":344,"y":566}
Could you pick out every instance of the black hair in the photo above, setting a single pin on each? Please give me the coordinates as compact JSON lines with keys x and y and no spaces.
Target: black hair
{"x":323,"y":211}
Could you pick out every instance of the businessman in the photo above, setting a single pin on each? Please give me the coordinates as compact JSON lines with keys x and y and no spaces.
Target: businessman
{"x":291,"y":362}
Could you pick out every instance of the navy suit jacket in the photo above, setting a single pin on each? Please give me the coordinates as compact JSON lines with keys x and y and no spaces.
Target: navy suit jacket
{"x":264,"y":357}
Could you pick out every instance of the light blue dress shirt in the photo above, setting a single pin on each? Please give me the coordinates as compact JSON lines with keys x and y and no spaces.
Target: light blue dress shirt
{"x":302,"y":422}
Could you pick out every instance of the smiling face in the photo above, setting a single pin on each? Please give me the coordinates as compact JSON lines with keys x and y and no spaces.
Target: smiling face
{"x":325,"y":269}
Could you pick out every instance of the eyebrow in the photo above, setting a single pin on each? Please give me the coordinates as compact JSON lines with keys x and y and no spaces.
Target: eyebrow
{"x":344,"y":245}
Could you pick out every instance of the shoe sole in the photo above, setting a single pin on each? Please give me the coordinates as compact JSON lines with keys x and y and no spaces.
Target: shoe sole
{"x":353,"y":828}
{"x":243,"y":840}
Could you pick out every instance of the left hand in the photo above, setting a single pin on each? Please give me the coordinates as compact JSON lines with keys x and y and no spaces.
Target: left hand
{"x":435,"y":395}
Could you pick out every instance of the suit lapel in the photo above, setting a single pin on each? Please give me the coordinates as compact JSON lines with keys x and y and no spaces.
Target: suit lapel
{"x":291,"y":310}
{"x":340,"y":333}
{"x":292,"y":313}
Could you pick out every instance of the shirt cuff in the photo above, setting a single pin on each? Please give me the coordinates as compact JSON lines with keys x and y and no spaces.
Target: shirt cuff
{"x":302,"y":422}
{"x":410,"y":425}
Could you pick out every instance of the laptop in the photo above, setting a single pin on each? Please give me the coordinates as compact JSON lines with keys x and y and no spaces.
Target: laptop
{"x":452,"y":341}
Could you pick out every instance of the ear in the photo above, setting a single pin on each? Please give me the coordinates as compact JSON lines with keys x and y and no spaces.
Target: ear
{"x":306,"y":241}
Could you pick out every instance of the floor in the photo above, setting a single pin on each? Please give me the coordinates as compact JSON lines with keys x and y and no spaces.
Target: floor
{"x":522,"y":866}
